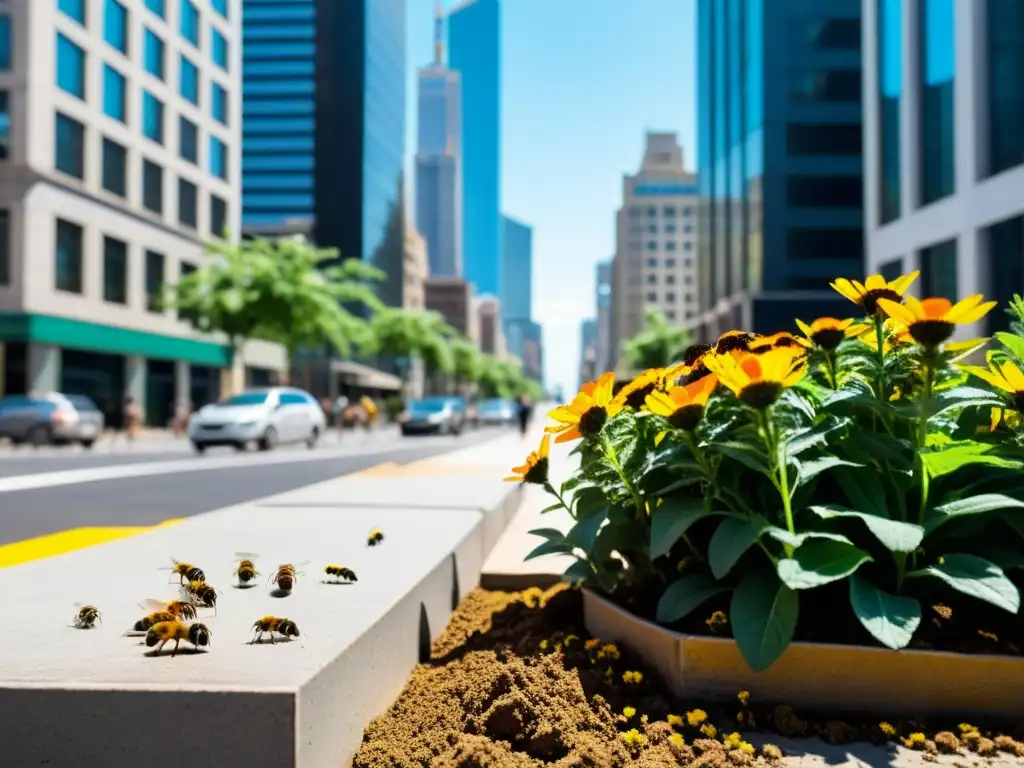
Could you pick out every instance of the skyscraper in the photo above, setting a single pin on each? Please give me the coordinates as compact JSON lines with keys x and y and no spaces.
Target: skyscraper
{"x":474,"y":34}
{"x":780,"y":162}
{"x":517,"y":269}
{"x":438,"y":161}
{"x":324,"y":115}
{"x":603,"y":321}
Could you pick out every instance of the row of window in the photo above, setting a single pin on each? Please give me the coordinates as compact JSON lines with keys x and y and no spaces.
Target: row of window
{"x":71,"y":78}
{"x":668,"y":279}
{"x":667,"y":210}
{"x":670,"y":245}
{"x":653,"y":228}
{"x":670,"y":263}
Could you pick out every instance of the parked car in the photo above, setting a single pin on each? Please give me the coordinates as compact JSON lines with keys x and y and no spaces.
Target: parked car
{"x":52,"y":419}
{"x":435,"y":415}
{"x":267,"y":417}
{"x":497,"y":412}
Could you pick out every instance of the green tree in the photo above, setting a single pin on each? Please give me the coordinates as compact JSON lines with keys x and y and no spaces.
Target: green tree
{"x":468,"y":362}
{"x":659,"y":343}
{"x":505,"y":378}
{"x":423,"y":334}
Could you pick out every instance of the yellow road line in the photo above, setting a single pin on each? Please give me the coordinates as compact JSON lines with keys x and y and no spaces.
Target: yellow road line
{"x":386,"y":469}
{"x":53,"y":544}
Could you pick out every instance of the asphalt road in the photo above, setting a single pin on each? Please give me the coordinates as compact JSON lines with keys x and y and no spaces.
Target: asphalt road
{"x":72,"y":498}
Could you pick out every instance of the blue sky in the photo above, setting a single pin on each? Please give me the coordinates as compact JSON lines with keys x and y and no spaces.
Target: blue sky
{"x":582,"y":81}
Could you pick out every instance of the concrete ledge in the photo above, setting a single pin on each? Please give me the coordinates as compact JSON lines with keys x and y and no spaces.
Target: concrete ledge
{"x":93,"y":698}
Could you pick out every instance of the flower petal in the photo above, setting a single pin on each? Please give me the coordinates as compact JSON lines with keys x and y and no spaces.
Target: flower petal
{"x":898,"y":311}
{"x":993,"y":377}
{"x":900,"y":284}
{"x":571,"y":434}
{"x":875,"y":283}
{"x":975,"y":314}
{"x":1013,"y":375}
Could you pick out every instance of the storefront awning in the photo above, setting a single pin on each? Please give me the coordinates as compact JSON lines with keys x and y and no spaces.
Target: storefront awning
{"x":365,"y":376}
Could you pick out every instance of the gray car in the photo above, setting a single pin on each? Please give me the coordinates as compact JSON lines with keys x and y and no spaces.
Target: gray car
{"x":435,"y":415}
{"x":52,"y":419}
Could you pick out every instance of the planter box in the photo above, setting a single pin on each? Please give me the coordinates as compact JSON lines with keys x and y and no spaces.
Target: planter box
{"x":818,"y":676}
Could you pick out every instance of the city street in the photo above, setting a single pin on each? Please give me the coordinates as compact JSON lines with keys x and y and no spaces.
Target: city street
{"x":65,"y":497}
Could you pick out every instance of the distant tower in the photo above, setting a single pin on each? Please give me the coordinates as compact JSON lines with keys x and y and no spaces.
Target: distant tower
{"x":438,"y":34}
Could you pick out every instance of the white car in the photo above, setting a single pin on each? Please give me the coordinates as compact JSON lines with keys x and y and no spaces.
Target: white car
{"x":267,"y":417}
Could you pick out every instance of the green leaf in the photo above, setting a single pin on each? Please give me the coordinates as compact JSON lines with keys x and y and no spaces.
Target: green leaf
{"x":587,"y":501}
{"x":1013,"y":343}
{"x":976,"y":577}
{"x":820,"y":561}
{"x":972,"y":505}
{"x":552,"y":507}
{"x":763,"y":615}
{"x":549,"y":548}
{"x":579,"y":571}
{"x":963,"y":397}
{"x":863,"y":491}
{"x":897,"y":536}
{"x":731,"y":539}
{"x":817,"y":436}
{"x":747,"y":455}
{"x":670,"y":521}
{"x":685,"y":594}
{"x":551,"y":534}
{"x":797,"y":539}
{"x":584,"y":533}
{"x":811,"y":469}
{"x":951,"y":459}
{"x":890,"y":619}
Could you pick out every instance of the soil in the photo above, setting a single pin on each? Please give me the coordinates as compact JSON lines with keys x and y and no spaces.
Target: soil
{"x":516,"y":682}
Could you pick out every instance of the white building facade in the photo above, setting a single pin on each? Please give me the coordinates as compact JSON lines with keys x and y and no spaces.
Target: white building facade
{"x":943,"y":147}
{"x":123,"y":161}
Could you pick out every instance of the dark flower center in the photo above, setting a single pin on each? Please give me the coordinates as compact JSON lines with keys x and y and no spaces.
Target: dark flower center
{"x":538,"y":473}
{"x":761,"y":394}
{"x":687,"y":417}
{"x":786,"y":341}
{"x":592,"y":421}
{"x":931,"y":333}
{"x":693,"y":353}
{"x":870,"y":299}
{"x":698,"y":372}
{"x":637,"y":397}
{"x":1018,"y":400}
{"x":740,"y":341}
{"x":828,"y":338}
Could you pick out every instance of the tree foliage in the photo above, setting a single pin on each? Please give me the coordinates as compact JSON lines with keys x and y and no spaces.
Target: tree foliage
{"x":423,"y":334}
{"x":657,"y":345}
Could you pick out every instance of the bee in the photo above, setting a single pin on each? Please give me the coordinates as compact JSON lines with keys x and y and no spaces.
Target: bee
{"x":341,"y":572}
{"x":375,"y":538}
{"x":160,"y":611}
{"x":201,"y":593}
{"x":271,"y":624}
{"x":162,"y":633}
{"x":286,"y":576}
{"x":187,"y":572}
{"x":86,"y":616}
{"x":246,"y":570}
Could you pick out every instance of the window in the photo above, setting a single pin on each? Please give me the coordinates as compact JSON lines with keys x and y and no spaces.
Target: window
{"x":188,"y":84}
{"x":219,"y":103}
{"x":670,"y":263}
{"x":115,"y":25}
{"x":670,"y":245}
{"x":687,"y":246}
{"x":70,"y":67}
{"x":811,"y":244}
{"x":652,"y":279}
{"x":159,"y":7}
{"x":154,"y":280}
{"x":824,"y":191}
{"x":670,"y":279}
{"x":187,"y":203}
{"x":188,"y":140}
{"x":890,"y":77}
{"x":114,"y":94}
{"x":938,"y":270}
{"x":219,"y":49}
{"x":828,"y":85}
{"x":68,"y":258}
{"x":152,"y":186}
{"x":670,"y":228}
{"x":670,"y":297}
{"x":891,"y":270}
{"x":825,"y":34}
{"x":115,"y":271}
{"x":652,"y":228}
{"x":1005,"y":51}
{"x":73,"y":9}
{"x":5,"y":247}
{"x":688,"y":229}
{"x":670,"y":314}
{"x":5,"y":42}
{"x":115,"y":168}
{"x":152,"y":117}
{"x":687,"y":211}
{"x":190,"y":22}
{"x":809,"y":139}
{"x":5,"y":125}
{"x":652,"y":296}
{"x":938,"y":72}
{"x":187,"y":269}
{"x":218,"y":158}
{"x":652,"y":211}
{"x":154,"y":54}
{"x":652,"y":245}
{"x":634,"y":213}
{"x":218,"y":216}
{"x":70,"y":146}
{"x":669,"y":210}
{"x":652,"y":262}
{"x":1006,"y":268}
{"x":221,"y":7}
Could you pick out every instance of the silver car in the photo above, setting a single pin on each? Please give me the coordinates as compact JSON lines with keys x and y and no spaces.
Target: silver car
{"x":52,"y":419}
{"x":435,"y":416}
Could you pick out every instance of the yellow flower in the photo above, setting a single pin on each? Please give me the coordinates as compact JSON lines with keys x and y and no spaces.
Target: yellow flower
{"x":868,"y":293}
{"x":677,"y":740}
{"x":915,"y":741}
{"x":535,"y":470}
{"x":709,"y":730}
{"x":592,"y":644}
{"x":587,"y":413}
{"x":635,"y":392}
{"x":744,"y":698}
{"x":633,"y":738}
{"x":735,"y":341}
{"x":828,"y":332}
{"x":1006,"y":378}
{"x":887,"y":728}
{"x":932,"y":321}
{"x":628,"y":712}
{"x":779,"y":340}
{"x":633,"y":678}
{"x":695,"y":717}
{"x":683,"y":406}
{"x":675,"y":721}
{"x":759,"y":380}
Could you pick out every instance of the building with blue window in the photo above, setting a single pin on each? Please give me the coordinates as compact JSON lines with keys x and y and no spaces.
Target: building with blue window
{"x":123,"y":119}
{"x":517,"y":269}
{"x":780,"y":165}
{"x":474,"y":39}
{"x":944,"y":159}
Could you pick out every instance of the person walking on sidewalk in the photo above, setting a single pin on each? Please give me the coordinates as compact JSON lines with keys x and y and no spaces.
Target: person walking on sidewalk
{"x":132,"y":416}
{"x":524,"y":410}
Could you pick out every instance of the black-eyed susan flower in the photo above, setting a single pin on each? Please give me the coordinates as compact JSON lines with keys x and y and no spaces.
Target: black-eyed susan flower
{"x":758,"y":380}
{"x":735,"y":341}
{"x":587,"y":413}
{"x":868,"y":293}
{"x":932,"y":321}
{"x":781,"y":340}
{"x":683,"y":406}
{"x":1009,"y":380}
{"x":828,"y":332}
{"x":535,"y":470}
{"x":636,"y":391}
{"x":695,"y":352}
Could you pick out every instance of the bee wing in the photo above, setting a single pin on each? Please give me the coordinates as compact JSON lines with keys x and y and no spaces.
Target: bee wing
{"x":78,"y":605}
{"x":245,"y":555}
{"x":303,"y":564}
{"x":151,"y":604}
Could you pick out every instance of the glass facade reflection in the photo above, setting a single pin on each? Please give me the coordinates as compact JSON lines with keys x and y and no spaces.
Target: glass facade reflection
{"x":938,"y":270}
{"x":1005,"y":51}
{"x":890,"y":85}
{"x":1006,"y":269}
{"x":938,"y":72}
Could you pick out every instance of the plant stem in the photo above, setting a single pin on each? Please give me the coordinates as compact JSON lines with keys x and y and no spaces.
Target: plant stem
{"x":613,"y":459}
{"x":780,"y":474}
{"x":880,"y":341}
{"x":551,"y":489}
{"x":830,"y":370}
{"x":922,"y":433}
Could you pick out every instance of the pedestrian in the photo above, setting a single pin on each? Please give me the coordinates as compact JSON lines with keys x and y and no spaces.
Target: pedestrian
{"x":524,"y":410}
{"x":131,"y":416}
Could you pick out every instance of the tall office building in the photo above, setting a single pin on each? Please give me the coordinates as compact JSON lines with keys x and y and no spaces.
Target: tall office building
{"x":653,"y":268}
{"x":779,"y":147}
{"x":517,"y":269}
{"x":474,"y":36}
{"x":603,"y":320}
{"x":120,"y":157}
{"x":589,"y":369}
{"x":324,"y":121}
{"x":944,"y":151}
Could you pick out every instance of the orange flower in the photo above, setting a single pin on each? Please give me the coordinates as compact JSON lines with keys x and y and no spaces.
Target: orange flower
{"x":828,"y":332}
{"x":535,"y":470}
{"x":758,"y":380}
{"x":932,"y":321}
{"x":683,"y":406}
{"x":587,"y":413}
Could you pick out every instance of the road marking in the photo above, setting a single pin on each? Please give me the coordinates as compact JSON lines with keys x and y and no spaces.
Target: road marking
{"x":387,"y":469}
{"x":52,"y":544}
{"x":446,"y":467}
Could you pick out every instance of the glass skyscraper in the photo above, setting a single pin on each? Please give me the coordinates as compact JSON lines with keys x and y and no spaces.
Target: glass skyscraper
{"x":780,"y":160}
{"x":517,"y":268}
{"x":474,"y":38}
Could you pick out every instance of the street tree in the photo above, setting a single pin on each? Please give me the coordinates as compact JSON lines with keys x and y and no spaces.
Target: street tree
{"x":467,"y":361}
{"x":659,"y":343}
{"x":422,"y":334}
